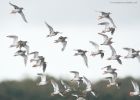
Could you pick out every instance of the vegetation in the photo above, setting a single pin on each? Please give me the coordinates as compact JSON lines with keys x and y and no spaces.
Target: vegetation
{"x":28,"y":90}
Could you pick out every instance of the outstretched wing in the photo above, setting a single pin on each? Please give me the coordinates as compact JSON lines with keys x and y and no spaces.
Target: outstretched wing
{"x":15,"y":6}
{"x":25,"y":59}
{"x":85,"y":59}
{"x":64,"y":45}
{"x":105,"y":36}
{"x":50,"y":28}
{"x":55,"y":85}
{"x":23,"y":16}
{"x":113,"y":50}
{"x":111,"y":20}
{"x":135,"y":86}
{"x":87,"y":82}
{"x":27,"y":48}
{"x":104,"y":23}
{"x":15,"y":39}
{"x":76,"y":73}
{"x":94,"y":44}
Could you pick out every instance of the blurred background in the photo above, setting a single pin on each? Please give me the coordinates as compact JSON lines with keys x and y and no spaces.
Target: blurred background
{"x":76,"y":19}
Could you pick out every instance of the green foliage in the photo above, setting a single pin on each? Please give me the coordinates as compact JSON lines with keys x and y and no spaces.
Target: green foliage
{"x":28,"y":90}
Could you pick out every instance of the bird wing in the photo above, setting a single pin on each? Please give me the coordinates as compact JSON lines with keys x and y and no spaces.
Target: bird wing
{"x":104,"y":23}
{"x":27,"y":48}
{"x":95,"y":44}
{"x":44,"y":66}
{"x":55,"y":85}
{"x":113,"y":50}
{"x":15,"y":6}
{"x":25,"y":59}
{"x":119,"y":61}
{"x":35,"y":53}
{"x":105,"y":36}
{"x":112,"y":30}
{"x":43,"y":77}
{"x":50,"y":28}
{"x":93,"y":93}
{"x":65,"y":85}
{"x":76,"y":73}
{"x":87,"y":82}
{"x":111,"y":20}
{"x":85,"y":59}
{"x":14,"y":37}
{"x":135,"y":86}
{"x":64,"y":45}
{"x":23,"y":16}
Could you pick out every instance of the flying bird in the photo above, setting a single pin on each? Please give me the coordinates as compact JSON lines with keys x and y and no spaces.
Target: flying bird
{"x":109,"y":69}
{"x":112,"y":80}
{"x":35,"y":55}
{"x":55,"y":88}
{"x":18,"y":10}
{"x":106,"y":15}
{"x":23,"y":54}
{"x":77,"y":78}
{"x":132,"y":53}
{"x":107,"y":28}
{"x":21,"y":44}
{"x":66,"y":87}
{"x":98,"y":51}
{"x":52,"y":32}
{"x":88,"y":86}
{"x":114,"y":55}
{"x":15,"y":40}
{"x":62,"y":40}
{"x":136,"y":89}
{"x":43,"y":79}
{"x":82,"y":53}
{"x":107,"y":40}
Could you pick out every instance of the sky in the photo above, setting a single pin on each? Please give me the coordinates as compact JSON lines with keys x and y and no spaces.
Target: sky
{"x":76,"y":19}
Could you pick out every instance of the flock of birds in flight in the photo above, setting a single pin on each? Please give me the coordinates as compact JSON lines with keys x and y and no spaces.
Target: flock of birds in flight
{"x":39,"y":61}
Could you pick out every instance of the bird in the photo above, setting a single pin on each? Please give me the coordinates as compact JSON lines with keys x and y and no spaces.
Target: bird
{"x":23,"y":54}
{"x":18,"y":10}
{"x":52,"y":32}
{"x":15,"y":40}
{"x":62,"y":40}
{"x":88,"y":86}
{"x":109,"y":69}
{"x":77,"y":78}
{"x":43,"y":79}
{"x":112,"y":80}
{"x":132,"y":53}
{"x":98,"y":51}
{"x":107,"y":40}
{"x":35,"y":55}
{"x":39,"y":61}
{"x":55,"y":88}
{"x":82,"y":53}
{"x":136,"y":91}
{"x":66,"y":87}
{"x":21,"y":44}
{"x":106,"y":15}
{"x":114,"y":55}
{"x":107,"y":28}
